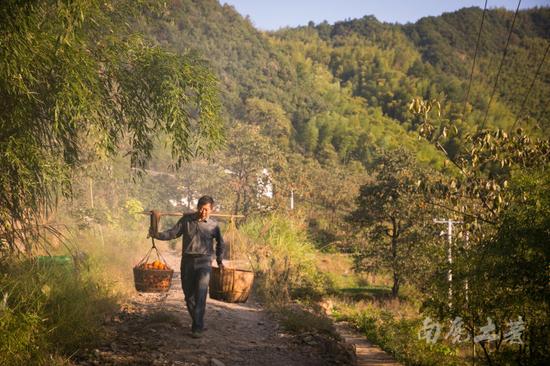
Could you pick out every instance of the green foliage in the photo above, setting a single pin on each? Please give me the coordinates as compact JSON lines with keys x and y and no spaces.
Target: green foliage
{"x":507,"y":274}
{"x":283,"y":258}
{"x":393,"y":211}
{"x":484,"y":284}
{"x":80,"y":84}
{"x":48,"y":311}
{"x":345,"y":88}
{"x":271,"y":118}
{"x":446,"y":42}
{"x":517,"y":259}
{"x":398,"y":335}
{"x":250,"y":165}
{"x":134,"y":208}
{"x":286,"y":78}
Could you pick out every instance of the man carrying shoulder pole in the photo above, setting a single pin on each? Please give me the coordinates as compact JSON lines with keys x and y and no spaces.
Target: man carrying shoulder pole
{"x":198,"y":231}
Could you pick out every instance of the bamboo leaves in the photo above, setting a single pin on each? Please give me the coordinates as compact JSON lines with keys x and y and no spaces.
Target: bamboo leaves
{"x":74,"y":81}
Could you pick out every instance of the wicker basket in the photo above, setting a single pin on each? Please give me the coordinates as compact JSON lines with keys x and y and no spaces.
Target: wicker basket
{"x":230,"y":284}
{"x":233,"y":283}
{"x":151,"y":279}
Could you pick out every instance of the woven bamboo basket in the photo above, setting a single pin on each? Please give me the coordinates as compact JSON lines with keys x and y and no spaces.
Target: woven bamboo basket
{"x":232,"y":284}
{"x":152,"y":279}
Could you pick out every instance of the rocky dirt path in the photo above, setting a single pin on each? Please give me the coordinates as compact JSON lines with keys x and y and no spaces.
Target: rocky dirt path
{"x":154,"y":329}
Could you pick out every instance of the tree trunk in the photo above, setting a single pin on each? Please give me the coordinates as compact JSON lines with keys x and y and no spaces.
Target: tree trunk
{"x":395,"y":265}
{"x":487,"y":357}
{"x":395,"y":287}
{"x":246,"y":202}
{"x":237,"y":203}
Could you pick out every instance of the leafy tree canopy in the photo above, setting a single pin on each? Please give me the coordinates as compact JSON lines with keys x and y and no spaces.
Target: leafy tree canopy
{"x":74,"y":80}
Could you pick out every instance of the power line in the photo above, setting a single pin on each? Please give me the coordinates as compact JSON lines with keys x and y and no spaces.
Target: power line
{"x":531,"y":87}
{"x":475,"y":56}
{"x":501,"y":64}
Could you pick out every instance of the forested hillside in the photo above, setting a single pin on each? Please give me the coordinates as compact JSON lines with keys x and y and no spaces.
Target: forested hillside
{"x":326,"y":101}
{"x":347,"y":86}
{"x":320,"y":106}
{"x":342,"y":148}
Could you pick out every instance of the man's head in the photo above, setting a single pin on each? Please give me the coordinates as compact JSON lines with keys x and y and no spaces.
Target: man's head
{"x":205,"y":207}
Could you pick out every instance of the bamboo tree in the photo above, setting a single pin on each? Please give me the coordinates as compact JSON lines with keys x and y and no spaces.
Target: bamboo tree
{"x":75,"y":81}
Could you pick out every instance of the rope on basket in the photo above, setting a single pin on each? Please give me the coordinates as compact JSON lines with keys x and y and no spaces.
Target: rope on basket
{"x":145,"y":259}
{"x":238,"y":243}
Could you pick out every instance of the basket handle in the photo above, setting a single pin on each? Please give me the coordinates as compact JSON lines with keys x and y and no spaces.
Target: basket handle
{"x":232,"y":223}
{"x":233,"y":228}
{"x":145,"y":259}
{"x":153,"y":231}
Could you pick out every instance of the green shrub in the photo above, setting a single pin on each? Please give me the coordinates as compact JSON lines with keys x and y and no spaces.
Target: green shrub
{"x":49,"y":310}
{"x":283,"y":259}
{"x":398,"y":335}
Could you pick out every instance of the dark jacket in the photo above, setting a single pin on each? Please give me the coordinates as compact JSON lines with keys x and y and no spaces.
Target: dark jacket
{"x":197,"y":236}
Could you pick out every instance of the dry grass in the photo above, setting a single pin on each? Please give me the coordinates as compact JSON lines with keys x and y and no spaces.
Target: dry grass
{"x":48,"y":312}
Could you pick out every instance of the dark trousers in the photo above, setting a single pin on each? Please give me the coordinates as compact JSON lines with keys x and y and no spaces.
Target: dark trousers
{"x":195,"y":277}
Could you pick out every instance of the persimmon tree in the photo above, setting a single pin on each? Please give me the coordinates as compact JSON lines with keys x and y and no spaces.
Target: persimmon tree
{"x":500,"y":189}
{"x":392,"y":210}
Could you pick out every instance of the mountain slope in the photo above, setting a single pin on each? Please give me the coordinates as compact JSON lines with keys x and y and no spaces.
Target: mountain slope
{"x":345,"y":87}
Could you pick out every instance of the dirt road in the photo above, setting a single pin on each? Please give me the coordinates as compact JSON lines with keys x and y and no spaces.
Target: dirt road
{"x":154,"y":329}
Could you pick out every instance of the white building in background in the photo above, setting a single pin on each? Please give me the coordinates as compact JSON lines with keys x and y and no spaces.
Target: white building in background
{"x":183,"y":202}
{"x":265,"y":185}
{"x":264,"y":189}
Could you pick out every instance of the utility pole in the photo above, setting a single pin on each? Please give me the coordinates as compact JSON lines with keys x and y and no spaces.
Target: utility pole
{"x":466,"y":287}
{"x":450,"y":224}
{"x":91,"y":181}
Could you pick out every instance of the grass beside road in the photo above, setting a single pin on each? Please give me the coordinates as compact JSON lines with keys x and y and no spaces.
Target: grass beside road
{"x":50,"y":310}
{"x":394,"y":326}
{"x":365,"y":302}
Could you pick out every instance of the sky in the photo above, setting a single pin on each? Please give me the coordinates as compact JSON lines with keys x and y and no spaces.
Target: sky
{"x":275,"y":14}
